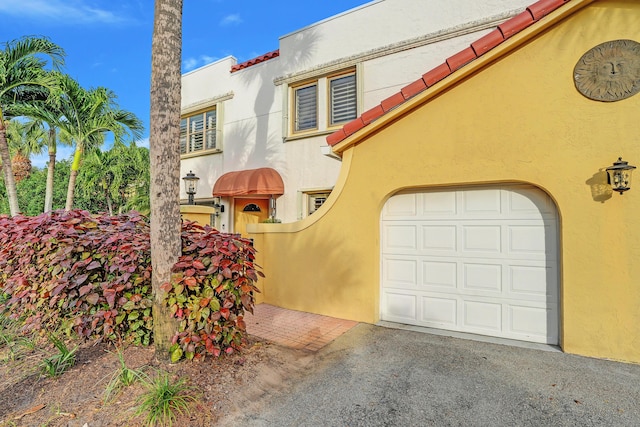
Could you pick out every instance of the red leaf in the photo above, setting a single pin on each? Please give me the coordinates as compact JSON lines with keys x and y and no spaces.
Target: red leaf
{"x":241,"y":325}
{"x":216,"y":352}
{"x":198,"y":264}
{"x":224,"y":312}
{"x":166,"y":287}
{"x":92,"y":298}
{"x":58,"y":289}
{"x":94,"y":265}
{"x":81,"y":279}
{"x":190,"y":281}
{"x":227,"y":273}
{"x":110,"y":296}
{"x":86,"y":289}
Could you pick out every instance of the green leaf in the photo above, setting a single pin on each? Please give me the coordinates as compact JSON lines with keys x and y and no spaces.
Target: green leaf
{"x":129,"y":305}
{"x":176,"y":353}
{"x":214,"y":304}
{"x":207,"y":292}
{"x":120,"y":317}
{"x":133,"y":315}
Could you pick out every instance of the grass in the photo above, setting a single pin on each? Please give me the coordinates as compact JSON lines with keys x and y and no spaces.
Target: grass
{"x":123,"y":377}
{"x":16,"y":346}
{"x":58,"y":363}
{"x":164,"y":399}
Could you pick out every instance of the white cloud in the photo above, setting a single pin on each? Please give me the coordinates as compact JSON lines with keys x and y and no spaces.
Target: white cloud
{"x":144,"y":142}
{"x":233,"y":19}
{"x":69,"y":12}
{"x":189,"y":64}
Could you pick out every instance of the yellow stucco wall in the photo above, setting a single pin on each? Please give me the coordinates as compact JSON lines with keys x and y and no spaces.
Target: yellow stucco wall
{"x":197,"y":213}
{"x":518,"y":119}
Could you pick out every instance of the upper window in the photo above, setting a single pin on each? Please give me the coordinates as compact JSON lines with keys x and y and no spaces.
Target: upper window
{"x":306,"y":107}
{"x":198,"y":132}
{"x":323,"y":103}
{"x":342,"y":96}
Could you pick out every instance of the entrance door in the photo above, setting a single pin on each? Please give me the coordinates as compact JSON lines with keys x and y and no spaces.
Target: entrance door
{"x":249,"y":211}
{"x":477,"y":260}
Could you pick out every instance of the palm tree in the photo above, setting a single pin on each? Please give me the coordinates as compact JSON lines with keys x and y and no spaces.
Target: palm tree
{"x":46,"y":115}
{"x":22,"y":79}
{"x":119,"y":175}
{"x":166,"y":52}
{"x":86,"y":116}
{"x":24,"y":139}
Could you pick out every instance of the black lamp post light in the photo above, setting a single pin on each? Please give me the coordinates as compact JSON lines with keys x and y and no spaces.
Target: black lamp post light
{"x":190,"y":186}
{"x":619,"y":175}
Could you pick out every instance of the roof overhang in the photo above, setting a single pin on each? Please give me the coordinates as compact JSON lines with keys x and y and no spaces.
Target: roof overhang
{"x":262,"y":181}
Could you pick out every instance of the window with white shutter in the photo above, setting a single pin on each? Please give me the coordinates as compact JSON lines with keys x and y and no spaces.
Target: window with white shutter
{"x":342,"y":94}
{"x":198,"y":132}
{"x":306,"y":107}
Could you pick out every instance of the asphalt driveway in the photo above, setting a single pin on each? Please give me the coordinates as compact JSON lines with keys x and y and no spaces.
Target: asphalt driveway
{"x":377,"y":376}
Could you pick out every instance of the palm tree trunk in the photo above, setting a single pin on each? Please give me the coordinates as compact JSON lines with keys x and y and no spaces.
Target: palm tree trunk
{"x":51,"y":168}
{"x":75,"y":166}
{"x":9,"y":180}
{"x":164,"y":131}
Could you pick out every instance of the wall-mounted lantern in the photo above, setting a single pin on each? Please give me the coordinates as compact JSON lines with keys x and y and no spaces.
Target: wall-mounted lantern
{"x":620,"y":175}
{"x":191,"y":186}
{"x":218,"y":206}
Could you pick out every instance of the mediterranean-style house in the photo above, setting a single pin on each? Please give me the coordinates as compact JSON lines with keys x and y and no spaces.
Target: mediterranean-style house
{"x":490,"y":194}
{"x":487,"y":196}
{"x":255,"y":132}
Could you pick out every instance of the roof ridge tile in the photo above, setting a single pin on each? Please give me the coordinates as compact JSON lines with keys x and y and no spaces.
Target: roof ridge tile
{"x":507,"y":29}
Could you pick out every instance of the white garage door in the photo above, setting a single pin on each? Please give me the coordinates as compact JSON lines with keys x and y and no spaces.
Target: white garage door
{"x":478,"y":260}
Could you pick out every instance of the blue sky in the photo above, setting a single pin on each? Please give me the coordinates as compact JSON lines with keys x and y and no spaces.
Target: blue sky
{"x":108,"y":43}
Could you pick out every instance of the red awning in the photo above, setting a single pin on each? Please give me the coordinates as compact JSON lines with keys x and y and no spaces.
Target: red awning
{"x":263,"y":181}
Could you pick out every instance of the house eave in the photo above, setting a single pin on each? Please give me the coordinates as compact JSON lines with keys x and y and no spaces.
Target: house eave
{"x":509,"y":45}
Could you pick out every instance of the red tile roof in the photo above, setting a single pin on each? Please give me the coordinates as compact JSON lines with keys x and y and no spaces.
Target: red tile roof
{"x":257,"y":60}
{"x":507,"y":29}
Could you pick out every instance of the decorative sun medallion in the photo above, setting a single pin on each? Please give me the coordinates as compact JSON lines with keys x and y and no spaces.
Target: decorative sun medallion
{"x":609,"y":71}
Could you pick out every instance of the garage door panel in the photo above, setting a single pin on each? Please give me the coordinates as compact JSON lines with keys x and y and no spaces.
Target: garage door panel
{"x":400,"y":307}
{"x":482,"y":277}
{"x":481,"y":260}
{"x":400,"y":237}
{"x":400,"y":272}
{"x":530,"y":204}
{"x":439,"y":238}
{"x":439,"y":274}
{"x":439,"y":204}
{"x":528,"y":239}
{"x":485,"y":316}
{"x":482,"y":238}
{"x":531,"y":282}
{"x":401,"y":205}
{"x":439,"y":312}
{"x":531,"y":323}
{"x":481,"y":202}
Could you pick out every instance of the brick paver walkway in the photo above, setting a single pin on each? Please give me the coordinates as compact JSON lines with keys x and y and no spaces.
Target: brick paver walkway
{"x":295,"y":329}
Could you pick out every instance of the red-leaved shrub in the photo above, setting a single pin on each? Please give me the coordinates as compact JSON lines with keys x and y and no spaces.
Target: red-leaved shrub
{"x":91,"y":274}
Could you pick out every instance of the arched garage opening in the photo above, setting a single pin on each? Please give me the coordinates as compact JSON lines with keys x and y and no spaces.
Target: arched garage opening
{"x":481,"y":260}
